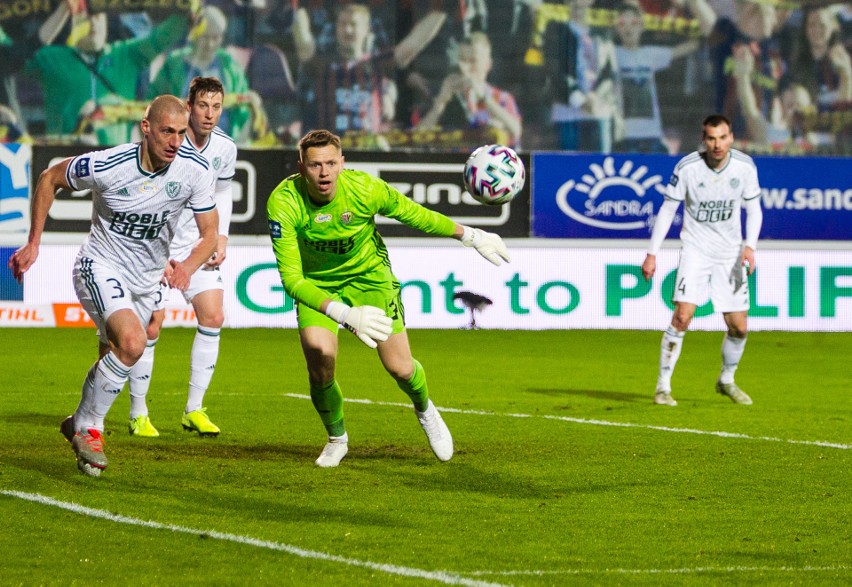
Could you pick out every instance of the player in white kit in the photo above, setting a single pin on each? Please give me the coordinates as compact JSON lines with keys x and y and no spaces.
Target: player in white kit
{"x":714,"y":184}
{"x":206,"y":290}
{"x":138,"y":192}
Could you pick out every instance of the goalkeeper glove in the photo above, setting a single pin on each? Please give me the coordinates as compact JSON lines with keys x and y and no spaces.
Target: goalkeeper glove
{"x":368,"y":323}
{"x":487,"y":244}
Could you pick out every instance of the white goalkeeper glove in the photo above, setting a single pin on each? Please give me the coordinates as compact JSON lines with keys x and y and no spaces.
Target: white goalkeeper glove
{"x":368,"y":323}
{"x":487,"y":244}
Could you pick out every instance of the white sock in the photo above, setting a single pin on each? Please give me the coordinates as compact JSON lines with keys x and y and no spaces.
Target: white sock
{"x":140,"y":380}
{"x":669,"y":353}
{"x":110,"y":375}
{"x":732,"y":352}
{"x":87,"y":397}
{"x":202,"y":363}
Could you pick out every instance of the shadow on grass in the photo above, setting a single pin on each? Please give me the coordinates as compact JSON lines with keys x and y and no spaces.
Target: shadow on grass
{"x":32,"y":419}
{"x":619,"y":396}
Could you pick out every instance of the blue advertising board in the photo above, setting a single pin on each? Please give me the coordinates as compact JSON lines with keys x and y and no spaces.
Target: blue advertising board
{"x":618,"y":196}
{"x":10,"y":289}
{"x":14,"y":187}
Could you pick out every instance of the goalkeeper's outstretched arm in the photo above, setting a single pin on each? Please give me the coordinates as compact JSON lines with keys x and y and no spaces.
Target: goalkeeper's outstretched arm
{"x":487,"y":244}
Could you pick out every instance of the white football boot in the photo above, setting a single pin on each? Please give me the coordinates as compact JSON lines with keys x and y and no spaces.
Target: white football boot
{"x":334,"y":451}
{"x":436,"y":431}
{"x":737,"y":395}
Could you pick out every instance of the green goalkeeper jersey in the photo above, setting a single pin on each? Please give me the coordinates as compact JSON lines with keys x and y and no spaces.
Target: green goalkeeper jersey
{"x":322,"y":248}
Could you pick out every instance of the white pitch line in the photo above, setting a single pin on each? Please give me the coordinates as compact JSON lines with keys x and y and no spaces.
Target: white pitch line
{"x":439,"y":576}
{"x":720,"y":434}
{"x":686,"y":571}
{"x":450,"y":578}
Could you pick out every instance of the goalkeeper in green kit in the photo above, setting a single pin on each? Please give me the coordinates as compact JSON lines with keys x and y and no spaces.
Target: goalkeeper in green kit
{"x":334,"y":264}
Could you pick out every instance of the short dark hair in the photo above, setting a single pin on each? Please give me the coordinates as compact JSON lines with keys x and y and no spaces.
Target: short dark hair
{"x":715,"y":120}
{"x":204,"y":85}
{"x":317,"y":138}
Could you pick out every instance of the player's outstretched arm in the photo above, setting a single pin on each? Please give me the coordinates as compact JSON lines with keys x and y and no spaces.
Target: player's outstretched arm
{"x":370,"y":324}
{"x":50,"y":180}
{"x":487,"y":244}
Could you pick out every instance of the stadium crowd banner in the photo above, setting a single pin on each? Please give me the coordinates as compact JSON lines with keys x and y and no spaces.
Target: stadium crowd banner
{"x":618,"y":196}
{"x":542,"y":288}
{"x":428,"y":178}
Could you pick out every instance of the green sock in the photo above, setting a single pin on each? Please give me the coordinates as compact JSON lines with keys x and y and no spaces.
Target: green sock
{"x":328,"y":401}
{"x":416,"y":387}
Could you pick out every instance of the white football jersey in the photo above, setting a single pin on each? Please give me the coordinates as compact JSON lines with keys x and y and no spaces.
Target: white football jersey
{"x":134,"y":212}
{"x":713,"y":200}
{"x":221,"y":155}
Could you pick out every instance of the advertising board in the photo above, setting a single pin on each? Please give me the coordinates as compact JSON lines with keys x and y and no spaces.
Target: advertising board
{"x":542,"y":288}
{"x":14,"y":187}
{"x":617,"y":196}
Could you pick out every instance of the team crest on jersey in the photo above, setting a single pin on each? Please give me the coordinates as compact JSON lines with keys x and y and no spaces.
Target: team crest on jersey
{"x":173,"y":189}
{"x":321,"y":218}
{"x":82,"y":168}
{"x":217,"y":162}
{"x":735,"y":182}
{"x":346,"y":217}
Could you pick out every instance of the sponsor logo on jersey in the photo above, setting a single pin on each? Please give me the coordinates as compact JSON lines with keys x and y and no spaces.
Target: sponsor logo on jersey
{"x":715,"y":210}
{"x":320,"y":218}
{"x":336,"y":246}
{"x":611,"y":197}
{"x":139,"y":226}
{"x":274,"y":229}
{"x":173,"y":189}
{"x":673,"y":180}
{"x":123,"y":192}
{"x":83,"y":167}
{"x":346,"y":217}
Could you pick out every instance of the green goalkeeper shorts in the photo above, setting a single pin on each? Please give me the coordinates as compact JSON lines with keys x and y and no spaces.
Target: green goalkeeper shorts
{"x":365,"y":291}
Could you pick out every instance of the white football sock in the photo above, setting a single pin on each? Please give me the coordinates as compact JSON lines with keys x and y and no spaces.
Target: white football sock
{"x":110,"y":375}
{"x":202,"y":363}
{"x":669,"y":353}
{"x":87,"y":397}
{"x":732,"y":352}
{"x":140,"y":380}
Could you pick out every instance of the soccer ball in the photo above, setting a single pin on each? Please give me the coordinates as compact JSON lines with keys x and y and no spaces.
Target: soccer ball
{"x":494,"y":174}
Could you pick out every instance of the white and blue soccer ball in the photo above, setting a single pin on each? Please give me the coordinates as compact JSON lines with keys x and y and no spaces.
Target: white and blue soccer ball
{"x":494,"y":174}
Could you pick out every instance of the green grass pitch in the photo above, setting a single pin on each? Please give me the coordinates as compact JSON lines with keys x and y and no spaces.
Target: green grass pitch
{"x":565,"y":473}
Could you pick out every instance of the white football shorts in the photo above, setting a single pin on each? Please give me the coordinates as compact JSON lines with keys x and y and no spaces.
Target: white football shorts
{"x":102,"y":291}
{"x":202,"y":280}
{"x":723,"y":281}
